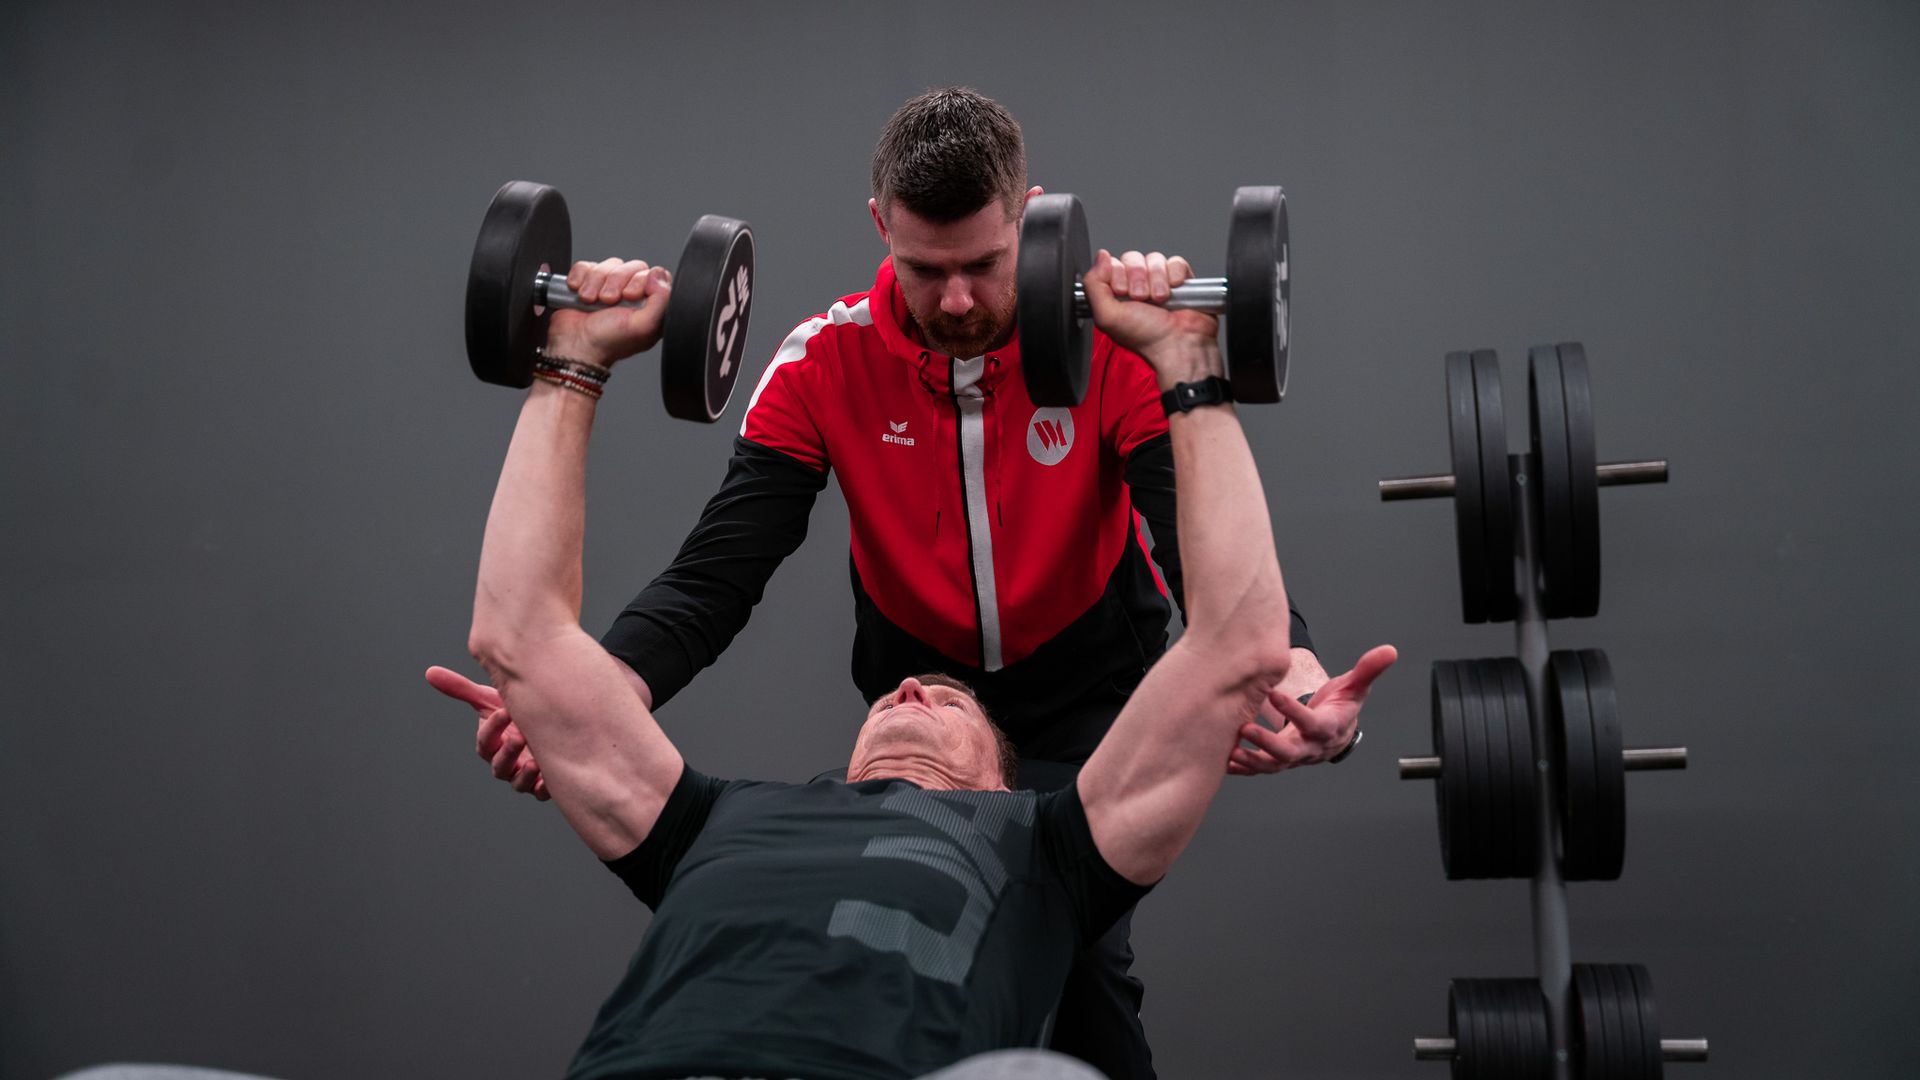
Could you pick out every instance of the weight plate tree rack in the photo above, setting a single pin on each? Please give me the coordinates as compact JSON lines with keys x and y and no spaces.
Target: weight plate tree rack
{"x":1529,"y":763}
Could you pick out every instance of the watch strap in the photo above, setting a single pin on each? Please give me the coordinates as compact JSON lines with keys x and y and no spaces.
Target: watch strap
{"x":1187,"y":396}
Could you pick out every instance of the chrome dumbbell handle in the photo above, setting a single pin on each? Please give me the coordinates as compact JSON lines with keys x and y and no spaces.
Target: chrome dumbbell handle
{"x":550,"y":291}
{"x":1208,"y":294}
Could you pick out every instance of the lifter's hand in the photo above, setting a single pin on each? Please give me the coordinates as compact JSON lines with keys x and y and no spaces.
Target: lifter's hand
{"x":1311,"y":733}
{"x":607,"y":337}
{"x":1182,"y":346}
{"x":498,"y":740}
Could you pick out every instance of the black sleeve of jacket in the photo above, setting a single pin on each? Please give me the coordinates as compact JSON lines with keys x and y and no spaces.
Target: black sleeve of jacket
{"x":1150,"y":477}
{"x":687,"y":616}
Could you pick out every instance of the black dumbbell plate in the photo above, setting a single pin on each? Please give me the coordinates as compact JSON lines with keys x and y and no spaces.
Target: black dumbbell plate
{"x":706,"y":328}
{"x":526,"y":230}
{"x":1056,"y":345}
{"x":1258,"y":315}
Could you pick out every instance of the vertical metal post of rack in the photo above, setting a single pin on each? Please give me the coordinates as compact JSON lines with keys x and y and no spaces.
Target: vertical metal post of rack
{"x":1552,"y":947}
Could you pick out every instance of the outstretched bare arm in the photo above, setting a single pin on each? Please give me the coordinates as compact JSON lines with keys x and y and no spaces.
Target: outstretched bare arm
{"x":607,"y":764}
{"x":1149,"y":784}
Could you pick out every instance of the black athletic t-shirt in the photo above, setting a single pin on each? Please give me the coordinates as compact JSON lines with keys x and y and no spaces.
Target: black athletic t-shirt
{"x":869,"y":931}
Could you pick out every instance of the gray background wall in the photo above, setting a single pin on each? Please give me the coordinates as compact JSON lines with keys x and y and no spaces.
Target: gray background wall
{"x":245,"y":470}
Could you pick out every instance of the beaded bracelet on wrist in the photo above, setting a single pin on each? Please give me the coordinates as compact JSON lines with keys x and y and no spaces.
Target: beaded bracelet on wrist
{"x":588,"y":379}
{"x":570,"y":381}
{"x":542,"y":359}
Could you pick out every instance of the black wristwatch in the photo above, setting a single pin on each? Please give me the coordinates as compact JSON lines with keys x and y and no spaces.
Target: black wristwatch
{"x":1342,"y":755}
{"x":1186,"y":396}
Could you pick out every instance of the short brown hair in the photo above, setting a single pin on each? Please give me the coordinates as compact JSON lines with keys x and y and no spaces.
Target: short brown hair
{"x":1009,"y":757}
{"x":947,"y":153}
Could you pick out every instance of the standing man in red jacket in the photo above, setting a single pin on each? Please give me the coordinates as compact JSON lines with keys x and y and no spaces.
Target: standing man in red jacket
{"x":992,"y":540}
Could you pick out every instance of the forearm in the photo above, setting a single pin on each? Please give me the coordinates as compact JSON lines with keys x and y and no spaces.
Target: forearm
{"x":1150,"y":483}
{"x":1234,"y":592}
{"x":529,"y":579}
{"x":607,"y":764}
{"x":1148,"y":785}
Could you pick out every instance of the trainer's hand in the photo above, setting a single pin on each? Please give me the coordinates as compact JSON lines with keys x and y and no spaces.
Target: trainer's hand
{"x":607,"y":337}
{"x":498,"y":740}
{"x":1124,"y":294}
{"x":1311,"y":733}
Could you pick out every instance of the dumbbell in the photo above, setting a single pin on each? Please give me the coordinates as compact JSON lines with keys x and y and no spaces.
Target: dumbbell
{"x":1497,"y":1029}
{"x":1564,"y":497}
{"x":519,"y":275}
{"x":1488,"y":826}
{"x":1056,"y":340}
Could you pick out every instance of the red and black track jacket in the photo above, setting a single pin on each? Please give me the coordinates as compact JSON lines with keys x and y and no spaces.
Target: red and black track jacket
{"x":992,"y":539}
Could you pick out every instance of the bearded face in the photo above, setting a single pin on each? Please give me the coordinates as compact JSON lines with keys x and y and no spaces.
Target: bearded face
{"x":957,"y":278}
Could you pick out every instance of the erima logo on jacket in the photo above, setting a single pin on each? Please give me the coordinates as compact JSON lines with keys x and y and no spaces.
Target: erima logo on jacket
{"x":898,"y":434}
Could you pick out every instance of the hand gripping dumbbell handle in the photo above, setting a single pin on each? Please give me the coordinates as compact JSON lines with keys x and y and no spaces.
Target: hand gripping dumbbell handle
{"x":550,"y":291}
{"x":1208,"y":294}
{"x":1612,"y":474}
{"x":1440,"y":1049}
{"x":1633,"y":759}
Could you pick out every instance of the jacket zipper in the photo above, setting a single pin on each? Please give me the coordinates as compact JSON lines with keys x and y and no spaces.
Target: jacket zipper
{"x":970,"y":408}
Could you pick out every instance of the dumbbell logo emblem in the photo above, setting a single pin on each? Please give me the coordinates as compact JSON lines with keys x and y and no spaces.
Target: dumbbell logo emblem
{"x":737,"y":293}
{"x":1280,"y":275}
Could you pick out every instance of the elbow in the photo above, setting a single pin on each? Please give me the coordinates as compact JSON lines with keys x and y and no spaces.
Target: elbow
{"x":1252,"y":656}
{"x":496,"y":639}
{"x":1270,"y":657}
{"x":1262,"y":629}
{"x":491,"y":646}
{"x":507,"y":639}
{"x":1254,"y":666}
